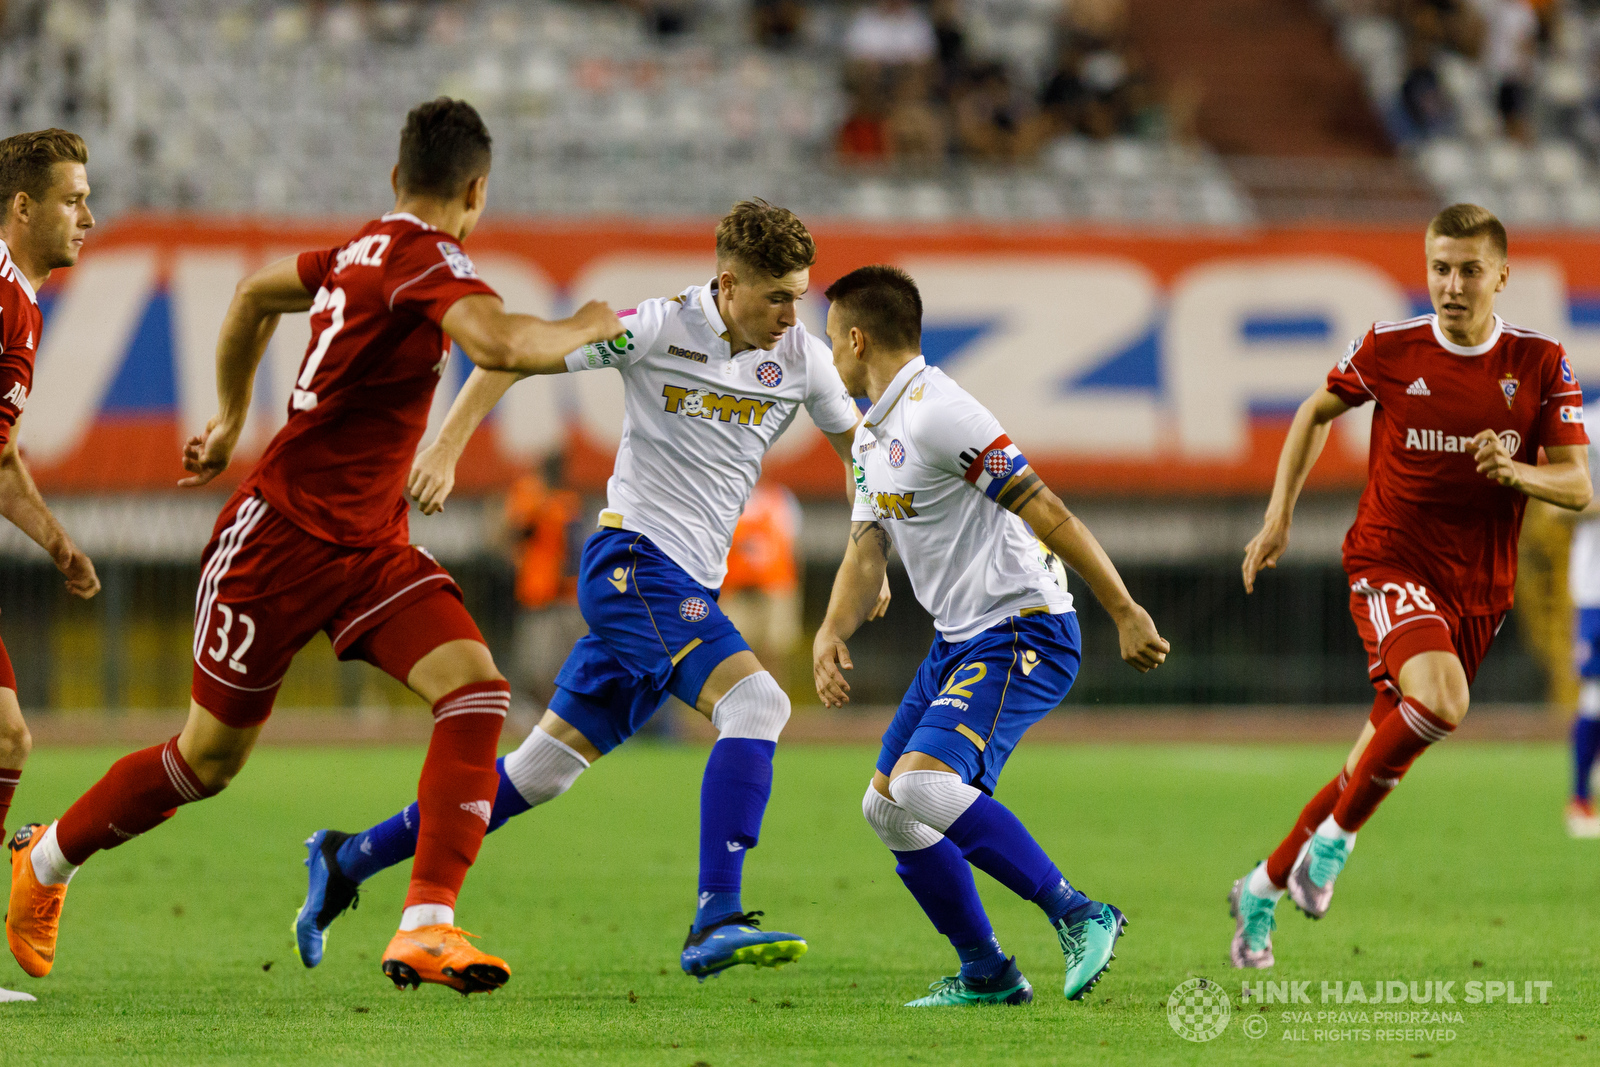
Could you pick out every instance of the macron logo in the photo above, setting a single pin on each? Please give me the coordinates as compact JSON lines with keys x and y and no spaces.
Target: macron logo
{"x":734,"y":846}
{"x":1418,"y":388}
{"x":480,"y":808}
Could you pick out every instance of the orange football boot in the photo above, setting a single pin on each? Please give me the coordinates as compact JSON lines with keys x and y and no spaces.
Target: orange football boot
{"x":442,"y":954}
{"x":33,"y":916}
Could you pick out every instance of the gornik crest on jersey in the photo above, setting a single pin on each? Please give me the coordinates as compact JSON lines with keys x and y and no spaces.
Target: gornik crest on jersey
{"x":1508,"y":386}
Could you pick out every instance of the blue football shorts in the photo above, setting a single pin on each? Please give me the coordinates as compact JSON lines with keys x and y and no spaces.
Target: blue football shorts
{"x":971,"y":702}
{"x":1588,"y":644}
{"x":653,"y":631}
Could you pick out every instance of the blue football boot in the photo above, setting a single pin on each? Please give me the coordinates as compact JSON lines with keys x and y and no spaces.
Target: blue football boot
{"x":734,"y":940}
{"x":328,"y":894}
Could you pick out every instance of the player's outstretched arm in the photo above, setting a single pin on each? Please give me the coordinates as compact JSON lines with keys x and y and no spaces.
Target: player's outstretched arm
{"x":1562,"y":481}
{"x":496,"y":339}
{"x":852,"y":602}
{"x":274,"y":290}
{"x":21,"y":503}
{"x":842,"y":444}
{"x":433,"y":472}
{"x":1307,"y":434}
{"x":1063,"y":533}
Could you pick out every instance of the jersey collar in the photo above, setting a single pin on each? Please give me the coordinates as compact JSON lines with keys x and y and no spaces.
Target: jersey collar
{"x":891,"y":396}
{"x":16,"y":272}
{"x":1462,"y":350}
{"x":407,"y":216}
{"x":708,"y":307}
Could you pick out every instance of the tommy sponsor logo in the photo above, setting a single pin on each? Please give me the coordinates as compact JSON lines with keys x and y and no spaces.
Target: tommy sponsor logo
{"x":17,"y":396}
{"x":480,"y":808}
{"x":363,"y":251}
{"x":1508,"y":386}
{"x":1571,"y":413}
{"x":1418,"y":388}
{"x":894,"y":505}
{"x":684,"y":353}
{"x":704,"y":404}
{"x":1439,"y":441}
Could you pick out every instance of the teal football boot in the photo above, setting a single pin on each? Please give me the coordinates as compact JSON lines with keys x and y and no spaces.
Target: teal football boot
{"x":1087,"y":943}
{"x":1254,"y":920}
{"x":734,"y":940}
{"x":1313,"y":874}
{"x":1007,"y":987}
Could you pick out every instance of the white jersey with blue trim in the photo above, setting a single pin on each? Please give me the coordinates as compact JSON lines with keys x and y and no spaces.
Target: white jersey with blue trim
{"x":1583,"y":567}
{"x":929,"y":461}
{"x":698,"y":419}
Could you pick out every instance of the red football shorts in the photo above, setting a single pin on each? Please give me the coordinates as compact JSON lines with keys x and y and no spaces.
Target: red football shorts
{"x":267,"y":586}
{"x":8,"y":677}
{"x":1398,"y":617}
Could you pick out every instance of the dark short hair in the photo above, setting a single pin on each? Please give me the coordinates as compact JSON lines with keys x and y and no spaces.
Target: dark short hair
{"x":26,"y":159}
{"x":1469,"y":220}
{"x":883,"y":302}
{"x":444,"y":146}
{"x":770,"y":239}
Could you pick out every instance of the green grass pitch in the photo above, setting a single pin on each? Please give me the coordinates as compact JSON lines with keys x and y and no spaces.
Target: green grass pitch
{"x":176,"y":948}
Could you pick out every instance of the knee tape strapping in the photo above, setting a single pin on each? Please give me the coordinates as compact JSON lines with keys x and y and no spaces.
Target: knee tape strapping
{"x":755,"y":707}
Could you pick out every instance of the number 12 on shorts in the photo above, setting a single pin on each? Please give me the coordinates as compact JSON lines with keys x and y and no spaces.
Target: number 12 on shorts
{"x":224,"y":633}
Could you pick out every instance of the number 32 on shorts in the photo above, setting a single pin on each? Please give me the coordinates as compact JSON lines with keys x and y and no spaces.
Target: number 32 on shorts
{"x":225,"y":633}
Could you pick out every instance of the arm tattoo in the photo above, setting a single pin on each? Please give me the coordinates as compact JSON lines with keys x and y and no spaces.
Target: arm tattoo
{"x":1021,"y":489}
{"x":873,"y":534}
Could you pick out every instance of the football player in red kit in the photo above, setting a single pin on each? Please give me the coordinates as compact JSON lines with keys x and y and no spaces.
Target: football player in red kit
{"x":317,"y":539}
{"x":44,"y":215}
{"x":1464,"y":402}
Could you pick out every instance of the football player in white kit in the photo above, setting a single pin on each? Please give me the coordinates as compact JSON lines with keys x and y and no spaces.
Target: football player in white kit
{"x":712,"y":376}
{"x":937,"y":477}
{"x":1583,"y":577}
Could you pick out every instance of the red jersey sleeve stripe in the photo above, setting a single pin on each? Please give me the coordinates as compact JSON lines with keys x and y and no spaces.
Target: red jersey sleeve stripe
{"x":977,"y":465}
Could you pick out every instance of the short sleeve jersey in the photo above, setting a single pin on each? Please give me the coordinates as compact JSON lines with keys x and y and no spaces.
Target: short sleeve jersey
{"x":1426,"y":510}
{"x":698,"y":419}
{"x":929,"y":463}
{"x":360,"y":403}
{"x":20,"y":327}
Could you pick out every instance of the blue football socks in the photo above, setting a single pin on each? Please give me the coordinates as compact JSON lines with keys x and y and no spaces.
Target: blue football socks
{"x":1585,"y":744}
{"x":941,"y":881}
{"x":733,"y":798}
{"x":995,"y":841}
{"x":395,"y":839}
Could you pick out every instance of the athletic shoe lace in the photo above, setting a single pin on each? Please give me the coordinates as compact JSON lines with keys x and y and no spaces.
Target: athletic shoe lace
{"x":1327,"y":860}
{"x":950,"y":983}
{"x":1260,"y":919}
{"x":1072,"y":943}
{"x":47,"y":911}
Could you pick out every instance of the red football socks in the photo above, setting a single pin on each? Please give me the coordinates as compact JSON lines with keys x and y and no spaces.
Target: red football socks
{"x":141,"y":791}
{"x":1311,"y":817}
{"x":456,"y":794}
{"x":1400,"y":739}
{"x":9,"y":777}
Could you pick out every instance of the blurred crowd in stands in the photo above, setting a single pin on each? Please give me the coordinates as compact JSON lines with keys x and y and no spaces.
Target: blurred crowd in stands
{"x":919,"y":95}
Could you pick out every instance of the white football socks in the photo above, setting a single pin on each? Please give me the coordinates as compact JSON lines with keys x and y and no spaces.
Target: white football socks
{"x":1257,"y":884}
{"x":49,"y":865}
{"x":427,"y":915}
{"x":1332,"y":831}
{"x":542,"y":767}
{"x":1589,"y":699}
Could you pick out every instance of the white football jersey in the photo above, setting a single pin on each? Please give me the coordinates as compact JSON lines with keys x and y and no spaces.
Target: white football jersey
{"x":697,"y":420}
{"x":1583,"y":569}
{"x":929,"y":461}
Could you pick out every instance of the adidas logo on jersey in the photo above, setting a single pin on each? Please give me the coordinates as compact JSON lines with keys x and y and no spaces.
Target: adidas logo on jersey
{"x":1418,"y":388}
{"x":480,"y":808}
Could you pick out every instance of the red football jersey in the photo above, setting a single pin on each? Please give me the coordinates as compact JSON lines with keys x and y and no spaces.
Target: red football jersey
{"x":20,"y":327}
{"x":360,"y":404}
{"x":1426,"y":510}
